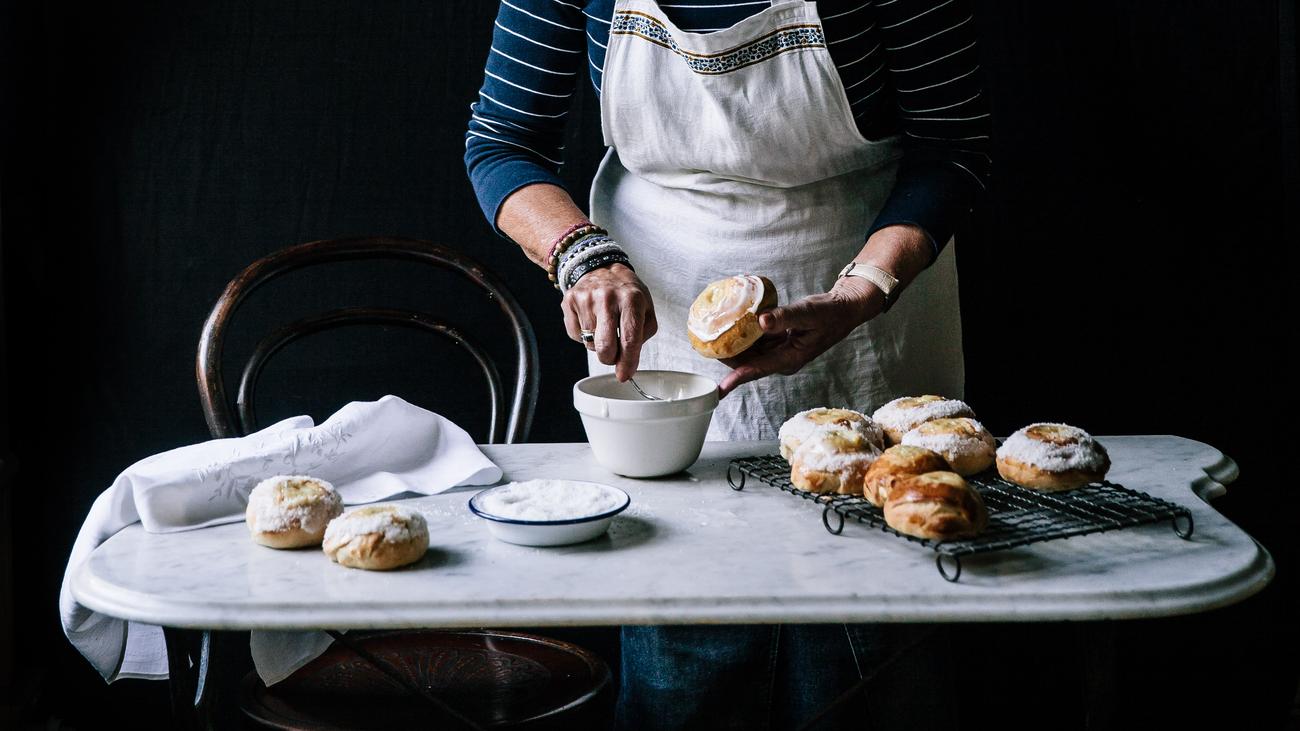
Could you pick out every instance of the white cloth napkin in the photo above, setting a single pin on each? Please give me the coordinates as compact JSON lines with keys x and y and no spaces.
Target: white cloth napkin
{"x":369,"y":450}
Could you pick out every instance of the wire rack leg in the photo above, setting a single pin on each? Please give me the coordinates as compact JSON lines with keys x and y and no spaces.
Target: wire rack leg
{"x":733,"y":470}
{"x":955,"y":561}
{"x":826,"y":520}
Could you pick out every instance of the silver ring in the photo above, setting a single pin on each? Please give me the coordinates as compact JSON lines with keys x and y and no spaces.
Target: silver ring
{"x":588,"y":336}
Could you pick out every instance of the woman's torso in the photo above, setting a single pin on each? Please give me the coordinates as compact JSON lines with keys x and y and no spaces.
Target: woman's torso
{"x":756,"y":166}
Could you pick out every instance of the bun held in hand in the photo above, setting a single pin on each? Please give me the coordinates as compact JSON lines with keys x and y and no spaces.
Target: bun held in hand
{"x":723,"y":320}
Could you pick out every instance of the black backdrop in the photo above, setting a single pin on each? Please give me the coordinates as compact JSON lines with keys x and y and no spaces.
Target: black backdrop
{"x":1129,"y":274}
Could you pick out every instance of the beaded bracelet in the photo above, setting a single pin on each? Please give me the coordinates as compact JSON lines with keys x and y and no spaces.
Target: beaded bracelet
{"x":571,"y":236}
{"x":567,"y":233}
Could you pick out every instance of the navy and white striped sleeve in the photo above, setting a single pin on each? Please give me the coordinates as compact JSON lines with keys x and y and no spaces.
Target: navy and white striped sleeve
{"x":934,"y":67}
{"x":516,"y":126}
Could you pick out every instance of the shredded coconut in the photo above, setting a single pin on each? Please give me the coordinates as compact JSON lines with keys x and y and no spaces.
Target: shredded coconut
{"x":802,"y":425}
{"x":1056,"y":448}
{"x":396,"y":523}
{"x":956,"y":437}
{"x":831,"y":449}
{"x":284,"y":502}
{"x":544,"y":500}
{"x":905,"y":414}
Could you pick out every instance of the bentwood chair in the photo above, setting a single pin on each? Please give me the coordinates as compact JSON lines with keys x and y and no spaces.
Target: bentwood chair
{"x":514,"y":421}
{"x":424,"y":679}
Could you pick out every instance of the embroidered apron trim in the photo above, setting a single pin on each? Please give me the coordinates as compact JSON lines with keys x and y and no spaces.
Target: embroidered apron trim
{"x":780,"y":40}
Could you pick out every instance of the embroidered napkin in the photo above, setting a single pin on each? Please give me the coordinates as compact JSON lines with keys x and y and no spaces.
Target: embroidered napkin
{"x":369,"y":450}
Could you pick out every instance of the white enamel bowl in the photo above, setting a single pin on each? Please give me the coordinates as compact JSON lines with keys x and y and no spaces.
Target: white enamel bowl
{"x":548,"y":532}
{"x":634,"y":437}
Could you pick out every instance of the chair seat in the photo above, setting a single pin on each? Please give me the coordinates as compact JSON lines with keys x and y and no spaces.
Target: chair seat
{"x":498,"y":679}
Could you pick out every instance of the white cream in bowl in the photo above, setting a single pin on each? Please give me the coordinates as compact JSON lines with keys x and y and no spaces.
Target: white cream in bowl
{"x":550,"y":500}
{"x":549,"y":512}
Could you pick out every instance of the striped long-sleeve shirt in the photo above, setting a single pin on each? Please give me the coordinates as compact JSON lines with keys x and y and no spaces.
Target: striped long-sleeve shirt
{"x":908,"y":66}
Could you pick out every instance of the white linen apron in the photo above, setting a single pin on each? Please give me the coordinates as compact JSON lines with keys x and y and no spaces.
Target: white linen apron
{"x":736,"y":152}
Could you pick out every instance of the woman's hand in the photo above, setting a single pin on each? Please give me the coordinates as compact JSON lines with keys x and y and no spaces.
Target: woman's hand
{"x":613,"y":303}
{"x":796,"y":334}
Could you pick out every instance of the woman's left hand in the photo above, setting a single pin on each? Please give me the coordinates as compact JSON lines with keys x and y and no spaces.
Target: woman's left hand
{"x":796,"y":334}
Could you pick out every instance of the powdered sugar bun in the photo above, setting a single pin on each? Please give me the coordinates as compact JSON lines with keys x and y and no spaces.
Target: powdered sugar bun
{"x":832,"y":459}
{"x":291,"y":511}
{"x":964,"y":442}
{"x":377,"y":537}
{"x":800,"y":426}
{"x":1052,"y":457}
{"x":902,"y":415}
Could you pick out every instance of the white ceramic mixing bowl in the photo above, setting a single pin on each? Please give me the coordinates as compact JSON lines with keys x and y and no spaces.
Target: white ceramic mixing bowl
{"x":634,"y":437}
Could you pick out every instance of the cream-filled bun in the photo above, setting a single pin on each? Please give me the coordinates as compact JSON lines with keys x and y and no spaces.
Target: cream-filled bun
{"x":964,"y":442}
{"x":798,"y":427}
{"x":723,"y":319}
{"x":1052,"y":457}
{"x":377,"y":537}
{"x":939,"y":506}
{"x":291,"y":511}
{"x":902,"y":415}
{"x":832,"y":459}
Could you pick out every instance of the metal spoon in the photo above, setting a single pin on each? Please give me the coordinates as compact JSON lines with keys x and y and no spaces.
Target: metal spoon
{"x":644,"y":395}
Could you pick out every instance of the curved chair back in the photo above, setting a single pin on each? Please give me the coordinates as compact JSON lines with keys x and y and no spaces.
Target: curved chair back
{"x":512,"y":422}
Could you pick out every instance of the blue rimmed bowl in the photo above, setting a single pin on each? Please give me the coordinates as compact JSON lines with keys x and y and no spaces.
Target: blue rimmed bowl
{"x":547,"y":532}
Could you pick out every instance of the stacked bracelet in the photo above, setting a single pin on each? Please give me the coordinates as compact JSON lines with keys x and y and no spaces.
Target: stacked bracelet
{"x":587,"y":255}
{"x":588,"y":246}
{"x":596,"y":261}
{"x":571,"y":236}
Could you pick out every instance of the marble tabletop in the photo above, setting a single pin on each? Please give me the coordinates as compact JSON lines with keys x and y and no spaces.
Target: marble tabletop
{"x":691,"y":550}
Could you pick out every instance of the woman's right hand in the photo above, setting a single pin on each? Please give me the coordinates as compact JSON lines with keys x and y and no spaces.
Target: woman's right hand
{"x":613,"y":303}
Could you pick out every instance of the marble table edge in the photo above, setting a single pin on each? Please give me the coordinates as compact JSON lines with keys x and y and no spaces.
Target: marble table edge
{"x":132,"y":606}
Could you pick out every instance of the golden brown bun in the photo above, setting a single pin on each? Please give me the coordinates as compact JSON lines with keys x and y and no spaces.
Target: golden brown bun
{"x":897,"y":462}
{"x":744,"y":333}
{"x":939,"y":506}
{"x":291,"y":511}
{"x":377,"y":537}
{"x":964,"y":442}
{"x":1039,"y":479}
{"x":832,"y":459}
{"x":288,"y":538}
{"x":1052,"y":458}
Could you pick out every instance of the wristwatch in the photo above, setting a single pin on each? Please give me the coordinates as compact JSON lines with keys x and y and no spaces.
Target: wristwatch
{"x":887,"y":282}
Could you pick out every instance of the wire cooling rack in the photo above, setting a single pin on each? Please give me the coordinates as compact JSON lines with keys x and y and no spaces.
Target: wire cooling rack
{"x":1017,"y":516}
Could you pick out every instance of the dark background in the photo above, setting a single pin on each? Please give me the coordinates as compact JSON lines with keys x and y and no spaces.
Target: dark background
{"x":1131,"y":273}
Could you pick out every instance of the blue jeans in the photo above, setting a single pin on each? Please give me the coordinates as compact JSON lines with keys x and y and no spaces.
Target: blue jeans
{"x":755,"y":677}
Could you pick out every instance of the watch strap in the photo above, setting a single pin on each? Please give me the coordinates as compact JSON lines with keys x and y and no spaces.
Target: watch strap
{"x":887,"y":282}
